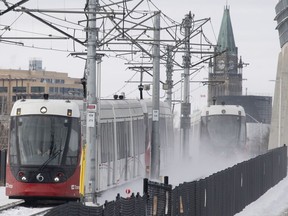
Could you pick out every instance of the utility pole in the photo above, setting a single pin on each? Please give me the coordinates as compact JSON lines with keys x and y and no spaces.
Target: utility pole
{"x":155,"y":141}
{"x":186,"y":106}
{"x":90,"y":183}
{"x":169,"y":71}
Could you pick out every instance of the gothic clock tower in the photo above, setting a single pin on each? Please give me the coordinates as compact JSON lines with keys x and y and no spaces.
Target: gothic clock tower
{"x":225,"y":74}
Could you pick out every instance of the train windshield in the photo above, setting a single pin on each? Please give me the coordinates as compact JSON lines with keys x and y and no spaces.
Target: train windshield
{"x":222,"y":130}
{"x":44,"y":140}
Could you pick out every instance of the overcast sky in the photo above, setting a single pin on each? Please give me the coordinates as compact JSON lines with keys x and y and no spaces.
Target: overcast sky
{"x":254,"y":32}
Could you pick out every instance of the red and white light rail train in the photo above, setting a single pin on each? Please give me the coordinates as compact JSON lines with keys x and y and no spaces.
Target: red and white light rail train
{"x":45,"y":145}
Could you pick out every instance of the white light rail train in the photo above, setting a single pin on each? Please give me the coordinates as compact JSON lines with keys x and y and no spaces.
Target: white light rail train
{"x":219,"y":129}
{"x":46,"y":139}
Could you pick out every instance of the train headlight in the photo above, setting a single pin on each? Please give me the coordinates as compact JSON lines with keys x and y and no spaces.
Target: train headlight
{"x":18,"y":111}
{"x":22,"y":176}
{"x":69,"y":112}
{"x":223,"y":111}
{"x":43,"y":109}
{"x":58,"y":177}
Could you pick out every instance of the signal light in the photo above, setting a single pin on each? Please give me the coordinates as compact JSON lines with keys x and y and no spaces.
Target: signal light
{"x":18,"y":111}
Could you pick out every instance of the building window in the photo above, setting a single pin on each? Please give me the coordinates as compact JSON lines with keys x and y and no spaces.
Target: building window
{"x":3,"y":89}
{"x":59,"y":81}
{"x":53,"y":90}
{"x":77,"y":92}
{"x":18,"y":89}
{"x":43,"y":80}
{"x":61,"y":90}
{"x":66,"y":91}
{"x":37,"y":89}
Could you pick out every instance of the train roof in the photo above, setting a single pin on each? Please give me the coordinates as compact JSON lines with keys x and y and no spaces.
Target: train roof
{"x":110,"y":108}
{"x":45,"y":107}
{"x":218,"y":110}
{"x":163,"y":106}
{"x":121,"y":108}
{"x":224,"y":109}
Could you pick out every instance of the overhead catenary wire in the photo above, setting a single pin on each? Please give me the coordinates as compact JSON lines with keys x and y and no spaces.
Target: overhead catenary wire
{"x":8,"y":27}
{"x":112,"y":26}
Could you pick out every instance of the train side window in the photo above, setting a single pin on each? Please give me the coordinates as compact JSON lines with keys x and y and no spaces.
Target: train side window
{"x":128,"y":139}
{"x":74,"y":142}
{"x":135,"y":136}
{"x":12,"y":148}
{"x":104,"y":142}
{"x":111,"y":139}
{"x":123,"y":139}
{"x":120,"y":139}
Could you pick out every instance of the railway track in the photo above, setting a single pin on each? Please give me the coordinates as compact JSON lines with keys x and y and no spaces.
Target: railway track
{"x":11,"y":205}
{"x":20,"y":208}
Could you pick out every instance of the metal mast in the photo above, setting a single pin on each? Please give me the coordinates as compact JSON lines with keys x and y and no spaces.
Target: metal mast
{"x":169,"y":71}
{"x":90,"y":190}
{"x":155,"y":141}
{"x":186,"y":106}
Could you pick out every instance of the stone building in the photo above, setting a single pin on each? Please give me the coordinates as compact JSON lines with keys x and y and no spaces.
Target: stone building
{"x":225,"y":72}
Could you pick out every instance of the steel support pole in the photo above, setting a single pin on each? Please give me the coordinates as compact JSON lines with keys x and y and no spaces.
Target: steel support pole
{"x":186,"y":106}
{"x":155,"y":138}
{"x":169,"y":74}
{"x":90,"y":183}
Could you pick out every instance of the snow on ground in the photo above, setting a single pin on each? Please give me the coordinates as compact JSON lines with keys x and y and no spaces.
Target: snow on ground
{"x":3,"y":198}
{"x":17,"y":211}
{"x":272,"y":203}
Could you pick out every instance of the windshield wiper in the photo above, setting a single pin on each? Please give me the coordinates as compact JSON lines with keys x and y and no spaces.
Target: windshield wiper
{"x":54,"y":155}
{"x":52,"y":145}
